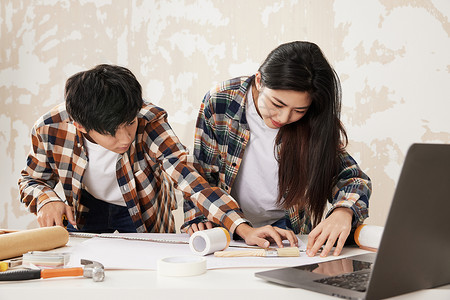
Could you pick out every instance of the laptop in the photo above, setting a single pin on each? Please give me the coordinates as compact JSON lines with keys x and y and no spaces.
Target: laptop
{"x":414,"y":251}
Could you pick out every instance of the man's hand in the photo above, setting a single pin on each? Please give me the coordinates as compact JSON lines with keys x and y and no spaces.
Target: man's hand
{"x":263,"y":236}
{"x":336,"y":227}
{"x":199,"y":227}
{"x":52,"y":214}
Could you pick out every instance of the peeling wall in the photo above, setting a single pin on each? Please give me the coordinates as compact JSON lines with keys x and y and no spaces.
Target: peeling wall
{"x":392,"y":57}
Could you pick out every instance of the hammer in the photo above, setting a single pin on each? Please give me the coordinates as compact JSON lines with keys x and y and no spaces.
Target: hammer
{"x":90,"y":269}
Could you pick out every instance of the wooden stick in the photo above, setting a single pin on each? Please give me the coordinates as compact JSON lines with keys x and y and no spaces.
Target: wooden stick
{"x":241,"y":253}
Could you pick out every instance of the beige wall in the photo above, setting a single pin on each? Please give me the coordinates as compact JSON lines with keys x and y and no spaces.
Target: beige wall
{"x":392,"y":57}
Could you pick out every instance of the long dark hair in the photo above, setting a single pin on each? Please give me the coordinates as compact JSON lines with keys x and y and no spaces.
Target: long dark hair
{"x":310,"y":147}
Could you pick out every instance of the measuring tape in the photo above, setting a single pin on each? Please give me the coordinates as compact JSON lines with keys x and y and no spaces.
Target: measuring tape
{"x":206,"y":234}
{"x":116,"y":236}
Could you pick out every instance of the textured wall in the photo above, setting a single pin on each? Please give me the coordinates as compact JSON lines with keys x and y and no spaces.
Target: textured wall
{"x":392,"y":57}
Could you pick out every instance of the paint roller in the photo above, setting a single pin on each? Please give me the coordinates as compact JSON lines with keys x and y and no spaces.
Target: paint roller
{"x":40,"y":239}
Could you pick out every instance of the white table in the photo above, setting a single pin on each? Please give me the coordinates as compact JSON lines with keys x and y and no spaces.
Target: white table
{"x":230,"y":284}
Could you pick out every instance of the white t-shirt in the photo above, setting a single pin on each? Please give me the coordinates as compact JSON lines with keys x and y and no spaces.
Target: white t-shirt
{"x":256,"y":185}
{"x":100,"y":179}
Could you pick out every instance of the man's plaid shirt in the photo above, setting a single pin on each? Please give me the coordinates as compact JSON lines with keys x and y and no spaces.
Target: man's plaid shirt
{"x":222,"y":132}
{"x":145,"y":173}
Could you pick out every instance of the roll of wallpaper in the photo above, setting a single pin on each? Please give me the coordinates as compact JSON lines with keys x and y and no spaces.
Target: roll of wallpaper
{"x":40,"y":239}
{"x":209,"y":241}
{"x":368,"y":236}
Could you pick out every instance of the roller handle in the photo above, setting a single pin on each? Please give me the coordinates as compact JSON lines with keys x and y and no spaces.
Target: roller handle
{"x":20,"y":275}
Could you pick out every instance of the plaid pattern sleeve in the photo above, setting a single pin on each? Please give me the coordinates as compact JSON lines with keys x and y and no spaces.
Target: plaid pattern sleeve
{"x":207,"y":148}
{"x":37,"y":178}
{"x":55,"y":156}
{"x":220,"y":138}
{"x":352,"y":190}
{"x":210,"y":201}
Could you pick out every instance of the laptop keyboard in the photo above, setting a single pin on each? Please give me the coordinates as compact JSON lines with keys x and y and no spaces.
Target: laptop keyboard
{"x":352,"y":281}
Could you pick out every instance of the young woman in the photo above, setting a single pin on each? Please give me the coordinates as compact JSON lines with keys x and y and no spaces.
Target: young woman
{"x":275,"y":142}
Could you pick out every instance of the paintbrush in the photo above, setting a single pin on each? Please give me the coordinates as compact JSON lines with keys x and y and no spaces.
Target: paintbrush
{"x":270,"y":252}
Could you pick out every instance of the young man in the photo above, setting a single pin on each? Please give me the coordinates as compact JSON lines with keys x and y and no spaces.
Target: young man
{"x":118,"y":160}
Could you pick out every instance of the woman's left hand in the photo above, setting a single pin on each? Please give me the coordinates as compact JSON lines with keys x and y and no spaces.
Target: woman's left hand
{"x":336,"y":227}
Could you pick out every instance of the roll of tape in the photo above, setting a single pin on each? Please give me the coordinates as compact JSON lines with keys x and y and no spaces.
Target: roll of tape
{"x":208,"y":241}
{"x":181,"y":266}
{"x":368,"y":236}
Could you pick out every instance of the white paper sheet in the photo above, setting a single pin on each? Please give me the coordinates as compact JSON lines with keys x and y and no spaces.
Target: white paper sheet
{"x":130,"y":254}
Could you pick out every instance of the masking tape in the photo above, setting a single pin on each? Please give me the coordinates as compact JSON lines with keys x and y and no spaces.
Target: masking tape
{"x":208,"y":241}
{"x":181,"y":266}
{"x":368,"y":236}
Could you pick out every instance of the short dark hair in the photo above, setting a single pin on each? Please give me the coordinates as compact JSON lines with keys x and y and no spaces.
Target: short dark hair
{"x":103,"y":98}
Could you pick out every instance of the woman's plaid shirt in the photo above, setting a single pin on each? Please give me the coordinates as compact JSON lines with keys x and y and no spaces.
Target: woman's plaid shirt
{"x":145,"y":173}
{"x":221,"y":135}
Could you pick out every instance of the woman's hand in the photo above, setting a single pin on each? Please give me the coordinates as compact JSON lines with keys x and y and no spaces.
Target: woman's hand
{"x":336,"y":227}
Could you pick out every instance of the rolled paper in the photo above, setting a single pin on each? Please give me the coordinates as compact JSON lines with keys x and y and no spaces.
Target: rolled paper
{"x":40,"y":239}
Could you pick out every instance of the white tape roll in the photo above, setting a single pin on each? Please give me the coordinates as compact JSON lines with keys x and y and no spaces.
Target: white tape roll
{"x":181,"y":266}
{"x":208,"y":241}
{"x":368,"y":236}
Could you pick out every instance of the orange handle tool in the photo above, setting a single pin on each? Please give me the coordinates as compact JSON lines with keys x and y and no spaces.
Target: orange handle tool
{"x":49,"y":273}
